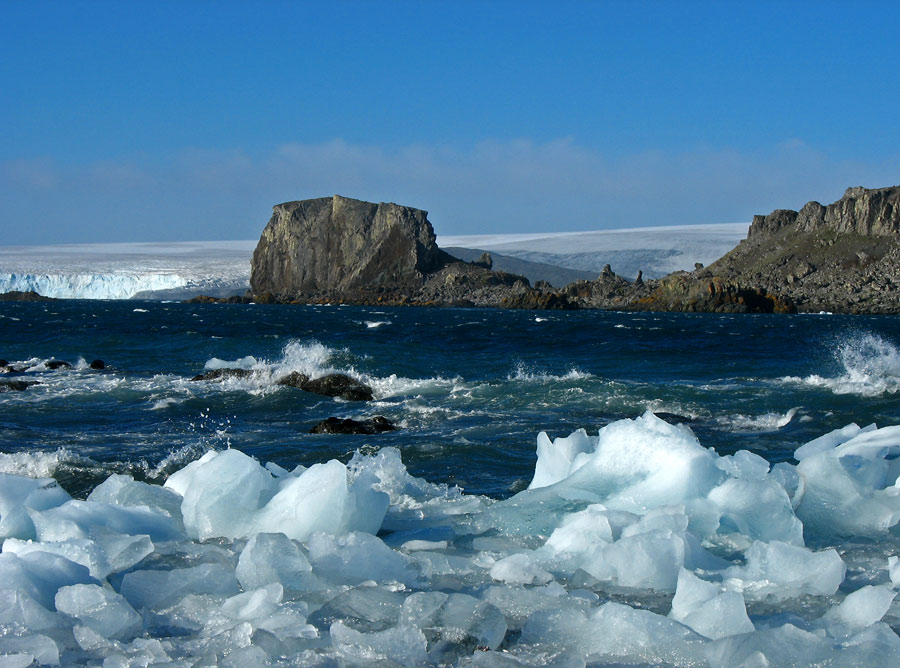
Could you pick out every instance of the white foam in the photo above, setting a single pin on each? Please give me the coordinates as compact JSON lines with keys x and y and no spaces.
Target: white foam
{"x":758,"y":423}
{"x":870,"y":365}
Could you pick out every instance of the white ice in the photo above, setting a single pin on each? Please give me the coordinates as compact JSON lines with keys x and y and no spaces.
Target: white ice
{"x":635,"y":545}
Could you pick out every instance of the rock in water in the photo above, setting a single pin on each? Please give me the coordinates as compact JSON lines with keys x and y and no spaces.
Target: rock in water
{"x":222,"y":374}
{"x":339,"y":245}
{"x":339,"y":385}
{"x":333,"y":425}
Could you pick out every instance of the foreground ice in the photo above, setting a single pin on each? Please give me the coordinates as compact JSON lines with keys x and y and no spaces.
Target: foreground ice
{"x":634,"y":546}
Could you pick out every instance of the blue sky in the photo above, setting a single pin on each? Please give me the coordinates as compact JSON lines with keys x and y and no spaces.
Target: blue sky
{"x":151,"y":121}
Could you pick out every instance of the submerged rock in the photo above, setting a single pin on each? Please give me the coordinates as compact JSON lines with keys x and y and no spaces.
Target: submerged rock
{"x":16,"y":385}
{"x":57,"y":364}
{"x":98,"y":365}
{"x":334,"y":425}
{"x":222,"y":374}
{"x":339,"y":385}
{"x":293,"y":379}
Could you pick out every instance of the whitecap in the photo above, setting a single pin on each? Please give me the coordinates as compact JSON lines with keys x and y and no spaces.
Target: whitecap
{"x":758,"y":423}
{"x":140,"y":310}
{"x":870,"y":365}
{"x":41,"y":464}
{"x":374,"y":324}
{"x":523,"y":373}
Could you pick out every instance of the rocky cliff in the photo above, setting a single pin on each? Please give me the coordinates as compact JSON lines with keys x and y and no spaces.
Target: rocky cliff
{"x":341,"y":245}
{"x":843,"y":258}
{"x":337,"y":249}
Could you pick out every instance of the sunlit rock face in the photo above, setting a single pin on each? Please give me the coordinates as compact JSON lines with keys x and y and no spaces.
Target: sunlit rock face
{"x":337,"y":244}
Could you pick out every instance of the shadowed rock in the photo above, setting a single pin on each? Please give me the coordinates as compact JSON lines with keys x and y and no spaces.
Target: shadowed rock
{"x":16,"y":385}
{"x":98,"y":365}
{"x":57,"y":364}
{"x":333,"y":425}
{"x":339,"y":385}
{"x":222,"y":374}
{"x":293,"y":379}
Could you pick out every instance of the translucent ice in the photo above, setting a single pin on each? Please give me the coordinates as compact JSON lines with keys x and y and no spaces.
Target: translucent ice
{"x":100,"y":609}
{"x":708,"y":609}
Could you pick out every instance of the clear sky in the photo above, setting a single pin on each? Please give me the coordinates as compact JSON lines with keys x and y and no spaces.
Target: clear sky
{"x":163,"y":120}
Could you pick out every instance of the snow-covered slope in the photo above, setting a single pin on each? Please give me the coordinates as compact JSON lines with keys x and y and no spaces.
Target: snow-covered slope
{"x":656,"y":251}
{"x":186,"y":269}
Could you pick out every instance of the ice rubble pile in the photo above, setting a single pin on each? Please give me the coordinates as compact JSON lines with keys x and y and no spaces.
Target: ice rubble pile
{"x":633,"y":546}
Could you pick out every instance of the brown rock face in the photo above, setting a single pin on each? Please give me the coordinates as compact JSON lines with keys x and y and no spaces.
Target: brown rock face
{"x":338,"y":245}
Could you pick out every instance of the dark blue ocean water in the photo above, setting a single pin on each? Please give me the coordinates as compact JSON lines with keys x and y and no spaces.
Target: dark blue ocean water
{"x":468,"y":388}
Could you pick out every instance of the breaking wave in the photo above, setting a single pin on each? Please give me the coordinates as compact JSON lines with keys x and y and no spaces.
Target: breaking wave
{"x":870,"y":367}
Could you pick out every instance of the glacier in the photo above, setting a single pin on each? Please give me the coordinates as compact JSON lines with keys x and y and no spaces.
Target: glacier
{"x":128,"y":270}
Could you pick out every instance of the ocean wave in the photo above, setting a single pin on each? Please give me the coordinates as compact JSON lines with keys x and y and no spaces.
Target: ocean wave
{"x":870,"y":367}
{"x":523,"y":373}
{"x":41,"y":464}
{"x":375,"y":324}
{"x":757,"y":423}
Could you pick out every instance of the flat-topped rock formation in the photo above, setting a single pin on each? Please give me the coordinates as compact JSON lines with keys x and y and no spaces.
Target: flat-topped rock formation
{"x":337,"y":249}
{"x":341,"y":245}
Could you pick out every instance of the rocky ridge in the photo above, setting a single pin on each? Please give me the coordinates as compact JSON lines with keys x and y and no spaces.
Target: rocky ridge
{"x":844,"y":257}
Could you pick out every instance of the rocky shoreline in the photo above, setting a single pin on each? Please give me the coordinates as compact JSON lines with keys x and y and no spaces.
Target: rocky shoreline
{"x":840,"y":258}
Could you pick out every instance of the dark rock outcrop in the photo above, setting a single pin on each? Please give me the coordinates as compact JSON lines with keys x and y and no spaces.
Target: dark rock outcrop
{"x":843,"y":258}
{"x":333,"y":425}
{"x":339,"y":385}
{"x":16,"y":385}
{"x":28,"y":296}
{"x":222,"y":374}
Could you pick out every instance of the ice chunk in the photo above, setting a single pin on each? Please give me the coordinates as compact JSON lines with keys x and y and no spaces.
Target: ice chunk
{"x":829,"y":441}
{"x":100,"y":609}
{"x":40,"y":574}
{"x":18,"y":607}
{"x":556,"y":459}
{"x":649,"y":560}
{"x":707,"y":609}
{"x":229,"y":494}
{"x":34,"y":493}
{"x":273,"y":557}
{"x":860,"y":609}
{"x":123,"y":490}
{"x":160,"y":588}
{"x":319,"y":499}
{"x":850,"y":489}
{"x":617,"y":632}
{"x":80,"y":519}
{"x":79,"y":550}
{"x":17,"y":495}
{"x":31,"y":647}
{"x":222,"y":491}
{"x":356,"y":557}
{"x":455,"y":618}
{"x":254,"y":604}
{"x":641,"y":464}
{"x":757,"y":508}
{"x":894,"y":570}
{"x":781,"y":571}
{"x":744,"y":464}
{"x":403,"y":645}
{"x":520,"y":568}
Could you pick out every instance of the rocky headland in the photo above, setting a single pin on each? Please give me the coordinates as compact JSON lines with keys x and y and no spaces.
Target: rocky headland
{"x":842,"y":258}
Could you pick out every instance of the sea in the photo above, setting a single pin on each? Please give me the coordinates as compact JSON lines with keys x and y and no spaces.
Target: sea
{"x":460,"y":566}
